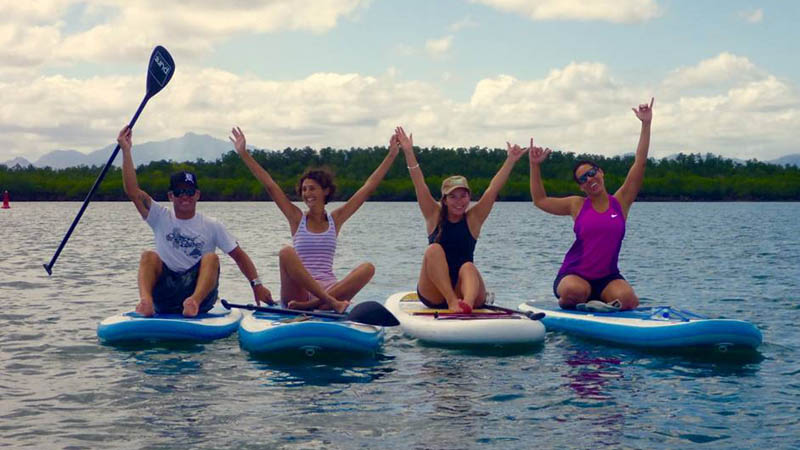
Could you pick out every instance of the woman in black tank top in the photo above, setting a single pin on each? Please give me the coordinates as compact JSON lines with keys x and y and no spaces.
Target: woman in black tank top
{"x":448,"y":277}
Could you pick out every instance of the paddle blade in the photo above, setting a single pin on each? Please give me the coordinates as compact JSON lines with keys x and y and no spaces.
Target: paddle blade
{"x":372,"y":313}
{"x":159,"y":71}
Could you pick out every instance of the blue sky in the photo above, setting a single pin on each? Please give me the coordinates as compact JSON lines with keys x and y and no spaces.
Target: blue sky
{"x":343,"y":73}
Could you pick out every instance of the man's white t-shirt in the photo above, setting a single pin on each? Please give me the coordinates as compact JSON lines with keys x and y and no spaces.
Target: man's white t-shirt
{"x":181,"y":243}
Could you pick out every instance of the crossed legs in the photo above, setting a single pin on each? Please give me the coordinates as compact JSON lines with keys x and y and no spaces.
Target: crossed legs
{"x":297,"y":283}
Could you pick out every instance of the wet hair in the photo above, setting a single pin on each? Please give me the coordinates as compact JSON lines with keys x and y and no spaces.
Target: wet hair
{"x":582,"y":162}
{"x":440,"y":222}
{"x":323,"y":177}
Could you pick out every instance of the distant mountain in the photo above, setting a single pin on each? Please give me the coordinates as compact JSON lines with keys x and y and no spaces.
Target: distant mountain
{"x":187,"y":148}
{"x":788,"y":160}
{"x":703,"y":156}
{"x":18,"y":161}
{"x":58,"y":159}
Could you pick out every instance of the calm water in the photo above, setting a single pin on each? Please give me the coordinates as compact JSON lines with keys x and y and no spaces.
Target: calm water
{"x":60,"y":388}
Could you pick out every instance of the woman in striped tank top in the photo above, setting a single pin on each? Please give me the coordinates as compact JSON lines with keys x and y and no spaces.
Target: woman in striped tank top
{"x":589,"y":277}
{"x":307,"y":279}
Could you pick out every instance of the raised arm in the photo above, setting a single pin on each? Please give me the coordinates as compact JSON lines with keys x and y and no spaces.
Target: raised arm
{"x":342,"y":213}
{"x":478,"y":213}
{"x":129,"y":183}
{"x":246,"y":266}
{"x":427,"y":204}
{"x":293,"y":213}
{"x":564,"y":206}
{"x":627,"y":193}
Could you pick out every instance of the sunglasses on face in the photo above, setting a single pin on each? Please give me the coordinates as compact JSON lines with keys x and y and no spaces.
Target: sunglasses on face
{"x":588,"y":174}
{"x":188,"y":191}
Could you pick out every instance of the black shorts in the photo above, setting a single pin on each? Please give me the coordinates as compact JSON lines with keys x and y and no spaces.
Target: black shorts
{"x":172,"y":288}
{"x":428,"y":303}
{"x":597,"y":285}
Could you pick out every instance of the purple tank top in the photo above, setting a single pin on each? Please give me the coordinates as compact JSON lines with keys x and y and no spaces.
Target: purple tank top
{"x":598,"y":239}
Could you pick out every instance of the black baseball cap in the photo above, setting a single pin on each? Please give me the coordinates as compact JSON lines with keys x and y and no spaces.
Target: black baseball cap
{"x":183,"y":177}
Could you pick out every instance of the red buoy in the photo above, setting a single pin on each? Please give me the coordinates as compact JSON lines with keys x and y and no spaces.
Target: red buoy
{"x":5,"y":200}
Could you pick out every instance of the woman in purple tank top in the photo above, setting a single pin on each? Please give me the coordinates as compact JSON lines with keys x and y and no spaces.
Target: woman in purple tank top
{"x":589,"y":271}
{"x":307,"y":279}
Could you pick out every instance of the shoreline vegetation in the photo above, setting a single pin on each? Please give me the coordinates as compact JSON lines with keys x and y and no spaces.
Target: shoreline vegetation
{"x":691,"y":177}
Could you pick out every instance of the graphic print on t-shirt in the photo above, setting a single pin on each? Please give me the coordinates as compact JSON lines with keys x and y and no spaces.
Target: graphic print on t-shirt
{"x":191,"y":246}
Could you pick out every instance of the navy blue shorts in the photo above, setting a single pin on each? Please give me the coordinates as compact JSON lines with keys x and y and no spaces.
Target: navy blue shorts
{"x":172,"y":288}
{"x":597,"y":285}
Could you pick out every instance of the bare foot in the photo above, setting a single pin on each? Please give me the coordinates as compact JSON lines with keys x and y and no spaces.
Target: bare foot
{"x":301,"y":304}
{"x":340,"y":305}
{"x":190,"y":307}
{"x":465,"y":308}
{"x":145,"y":308}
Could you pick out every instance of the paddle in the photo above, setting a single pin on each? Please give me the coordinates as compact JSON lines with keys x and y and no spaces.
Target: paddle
{"x":370,"y":313}
{"x":159,"y":72}
{"x":529,"y":314}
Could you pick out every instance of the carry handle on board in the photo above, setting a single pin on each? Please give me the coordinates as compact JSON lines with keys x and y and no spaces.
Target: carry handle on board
{"x":370,"y":313}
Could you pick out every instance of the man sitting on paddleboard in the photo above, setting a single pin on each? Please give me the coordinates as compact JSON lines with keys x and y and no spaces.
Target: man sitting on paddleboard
{"x":182,"y":274}
{"x":589,"y":271}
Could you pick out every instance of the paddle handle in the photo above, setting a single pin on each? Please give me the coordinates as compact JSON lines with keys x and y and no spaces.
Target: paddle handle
{"x":49,"y":266}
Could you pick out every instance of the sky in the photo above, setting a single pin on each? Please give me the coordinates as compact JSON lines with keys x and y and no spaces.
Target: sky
{"x":725,"y":75}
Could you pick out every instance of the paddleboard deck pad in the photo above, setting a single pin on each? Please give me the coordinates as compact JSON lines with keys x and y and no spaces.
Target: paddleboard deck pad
{"x":482,"y":327}
{"x":131,"y":326}
{"x":652,"y":327}
{"x":272,"y":332}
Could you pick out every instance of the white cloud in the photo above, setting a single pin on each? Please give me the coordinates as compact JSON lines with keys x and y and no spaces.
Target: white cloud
{"x":466,"y":22}
{"x":438,"y":47}
{"x":754,"y":16}
{"x":579,"y":107}
{"x":721,"y":70}
{"x":131,"y":28}
{"x":618,"y":11}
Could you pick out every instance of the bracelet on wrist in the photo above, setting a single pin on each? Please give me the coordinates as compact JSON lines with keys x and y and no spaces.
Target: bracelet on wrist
{"x":412,"y":167}
{"x":255,"y":282}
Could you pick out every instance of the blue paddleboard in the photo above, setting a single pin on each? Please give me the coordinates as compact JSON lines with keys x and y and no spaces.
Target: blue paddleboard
{"x":130,"y":326}
{"x":651,"y":327}
{"x":267,"y":332}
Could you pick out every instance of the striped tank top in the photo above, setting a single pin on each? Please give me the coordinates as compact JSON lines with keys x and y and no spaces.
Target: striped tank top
{"x":316,"y":250}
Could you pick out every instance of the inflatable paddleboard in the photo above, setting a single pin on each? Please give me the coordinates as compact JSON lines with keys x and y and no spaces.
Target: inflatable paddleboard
{"x":131,"y":326}
{"x":443,"y":327}
{"x":653,"y":327}
{"x":271,"y":332}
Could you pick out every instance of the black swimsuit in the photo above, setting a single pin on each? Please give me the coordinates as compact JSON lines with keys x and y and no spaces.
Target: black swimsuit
{"x":458,"y":245}
{"x":459,"y":248}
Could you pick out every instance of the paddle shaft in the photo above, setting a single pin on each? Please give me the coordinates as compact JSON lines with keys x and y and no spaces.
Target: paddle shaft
{"x":49,"y":266}
{"x":528,"y":314}
{"x":291,"y":312}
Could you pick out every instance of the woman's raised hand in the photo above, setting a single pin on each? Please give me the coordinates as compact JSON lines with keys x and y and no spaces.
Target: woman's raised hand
{"x":537,"y":155}
{"x":394,"y":145}
{"x":515,"y":152}
{"x":238,"y":139}
{"x":406,"y":141}
{"x":645,"y":111}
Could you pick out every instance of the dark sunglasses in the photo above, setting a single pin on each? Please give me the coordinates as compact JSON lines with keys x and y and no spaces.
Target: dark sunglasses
{"x":589,"y":173}
{"x":188,"y":191}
